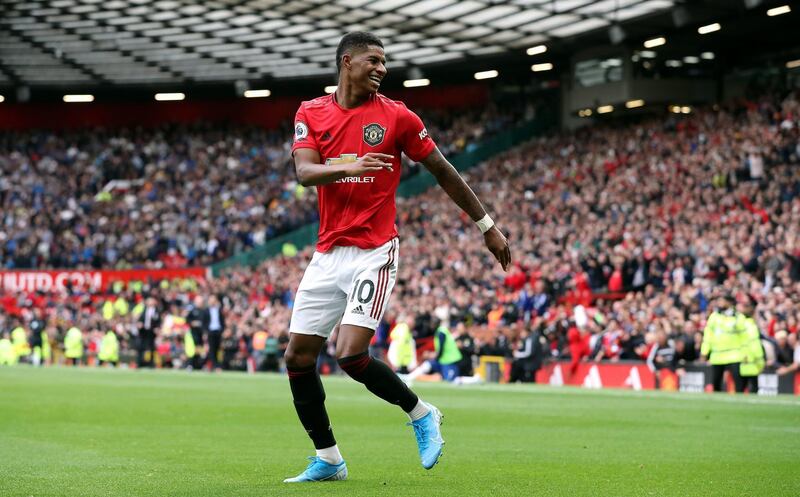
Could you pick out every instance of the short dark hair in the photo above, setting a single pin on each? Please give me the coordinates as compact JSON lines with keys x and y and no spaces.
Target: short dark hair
{"x":358,"y":40}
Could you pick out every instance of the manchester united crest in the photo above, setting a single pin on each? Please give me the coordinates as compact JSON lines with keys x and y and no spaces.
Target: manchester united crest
{"x":373,"y":134}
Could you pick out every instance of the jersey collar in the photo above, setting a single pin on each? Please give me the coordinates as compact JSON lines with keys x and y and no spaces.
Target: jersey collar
{"x":361,"y":107}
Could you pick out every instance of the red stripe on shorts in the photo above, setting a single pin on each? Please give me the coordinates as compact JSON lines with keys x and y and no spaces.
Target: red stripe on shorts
{"x":379,"y":284}
{"x":383,"y":283}
{"x":383,"y":279}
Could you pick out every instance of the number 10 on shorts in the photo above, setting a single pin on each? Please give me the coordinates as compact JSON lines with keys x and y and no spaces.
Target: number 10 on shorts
{"x":363,"y":290}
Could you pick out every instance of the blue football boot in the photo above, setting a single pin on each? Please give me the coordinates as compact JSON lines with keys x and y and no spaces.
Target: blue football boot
{"x":429,"y":437}
{"x":320,"y":470}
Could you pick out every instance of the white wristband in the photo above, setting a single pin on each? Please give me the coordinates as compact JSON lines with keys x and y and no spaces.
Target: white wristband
{"x":485,"y":223}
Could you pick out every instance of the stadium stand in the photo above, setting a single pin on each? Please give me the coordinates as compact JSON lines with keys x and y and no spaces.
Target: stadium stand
{"x":171,"y":196}
{"x":621,"y":233}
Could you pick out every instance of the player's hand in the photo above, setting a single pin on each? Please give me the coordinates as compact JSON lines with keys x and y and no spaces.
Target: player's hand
{"x":372,"y":161}
{"x":498,"y":245}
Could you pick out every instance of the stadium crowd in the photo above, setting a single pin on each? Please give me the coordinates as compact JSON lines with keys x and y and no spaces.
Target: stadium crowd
{"x":172,"y":196}
{"x":623,"y":236}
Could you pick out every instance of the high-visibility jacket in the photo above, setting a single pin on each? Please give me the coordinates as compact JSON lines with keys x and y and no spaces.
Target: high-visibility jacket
{"x":450,"y":354}
{"x":402,"y":348}
{"x":121,"y":307}
{"x":73,"y":344}
{"x":752,"y":351}
{"x":188,"y":344}
{"x":138,"y":309}
{"x":722,"y":342}
{"x":109,"y":348}
{"x":19,"y":339}
{"x":7,"y":355}
{"x":108,"y":310}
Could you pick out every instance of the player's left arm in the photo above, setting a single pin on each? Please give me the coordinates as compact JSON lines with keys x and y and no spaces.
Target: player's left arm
{"x":458,"y":190}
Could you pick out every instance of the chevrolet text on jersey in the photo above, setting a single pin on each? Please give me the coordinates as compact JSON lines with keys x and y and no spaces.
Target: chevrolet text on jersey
{"x":357,"y":179}
{"x":359,"y":211}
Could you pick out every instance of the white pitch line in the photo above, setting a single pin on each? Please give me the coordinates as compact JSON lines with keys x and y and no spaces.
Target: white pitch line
{"x":785,"y":400}
{"x":782,"y":400}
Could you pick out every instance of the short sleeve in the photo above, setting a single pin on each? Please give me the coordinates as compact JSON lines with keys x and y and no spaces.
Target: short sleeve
{"x":414,"y":138}
{"x":303,"y":137}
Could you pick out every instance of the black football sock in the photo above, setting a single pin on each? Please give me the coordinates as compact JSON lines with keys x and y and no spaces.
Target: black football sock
{"x":379,"y":379}
{"x":309,"y":401}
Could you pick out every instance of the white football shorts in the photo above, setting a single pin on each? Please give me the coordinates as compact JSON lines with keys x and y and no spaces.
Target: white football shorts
{"x":349,"y":283}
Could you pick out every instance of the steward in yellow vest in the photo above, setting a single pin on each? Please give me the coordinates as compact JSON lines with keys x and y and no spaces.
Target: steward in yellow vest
{"x":19,"y":339}
{"x":752,"y":351}
{"x":402,"y":349}
{"x":138,"y":309}
{"x":7,"y":355}
{"x":73,"y":346}
{"x":108,"y":310}
{"x":121,"y":306}
{"x":722,"y":344}
{"x":109,"y":349}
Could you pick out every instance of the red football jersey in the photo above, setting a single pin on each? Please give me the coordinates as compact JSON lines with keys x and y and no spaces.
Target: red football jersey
{"x":359,"y":211}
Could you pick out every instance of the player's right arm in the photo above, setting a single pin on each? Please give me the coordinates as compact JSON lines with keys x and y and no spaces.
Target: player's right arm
{"x":310,"y":171}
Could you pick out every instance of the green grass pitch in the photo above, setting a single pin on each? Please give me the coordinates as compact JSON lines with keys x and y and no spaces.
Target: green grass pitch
{"x":89,"y":432}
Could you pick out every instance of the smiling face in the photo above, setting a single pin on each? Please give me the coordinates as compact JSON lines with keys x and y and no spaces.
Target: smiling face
{"x":365,"y":69}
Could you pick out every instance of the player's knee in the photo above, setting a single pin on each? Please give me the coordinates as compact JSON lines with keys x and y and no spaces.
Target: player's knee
{"x":354,"y":365}
{"x":349,"y":351}
{"x":299,"y":360}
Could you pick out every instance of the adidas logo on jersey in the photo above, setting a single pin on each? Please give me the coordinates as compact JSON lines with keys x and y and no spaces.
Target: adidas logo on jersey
{"x":358,"y":310}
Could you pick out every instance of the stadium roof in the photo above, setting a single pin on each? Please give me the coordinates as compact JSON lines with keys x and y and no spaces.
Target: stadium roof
{"x":124,"y":42}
